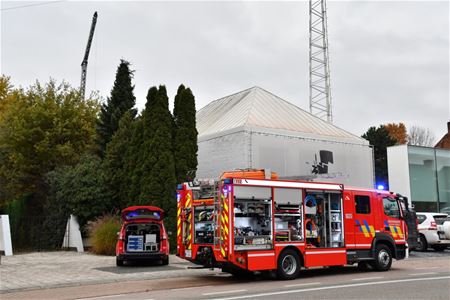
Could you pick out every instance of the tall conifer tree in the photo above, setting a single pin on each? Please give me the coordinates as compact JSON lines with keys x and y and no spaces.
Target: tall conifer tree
{"x":122,"y":100}
{"x":185,"y":135}
{"x":158,"y":168}
{"x":115,"y":163}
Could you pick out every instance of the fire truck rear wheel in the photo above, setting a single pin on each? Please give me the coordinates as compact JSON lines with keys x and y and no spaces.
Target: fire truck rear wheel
{"x":383,"y":258}
{"x":288,"y":265}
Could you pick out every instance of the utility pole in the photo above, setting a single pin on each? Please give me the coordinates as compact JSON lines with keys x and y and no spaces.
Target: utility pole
{"x":84,"y":63}
{"x":319,"y":67}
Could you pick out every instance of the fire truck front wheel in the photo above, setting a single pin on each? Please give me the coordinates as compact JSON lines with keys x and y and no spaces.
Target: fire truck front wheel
{"x":383,"y":258}
{"x":288,"y":265}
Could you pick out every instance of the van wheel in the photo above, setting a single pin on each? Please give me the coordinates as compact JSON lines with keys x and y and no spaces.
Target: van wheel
{"x":422,"y":244}
{"x":165,"y":261}
{"x":119,"y":262}
{"x":383,"y":258}
{"x":288,"y":266}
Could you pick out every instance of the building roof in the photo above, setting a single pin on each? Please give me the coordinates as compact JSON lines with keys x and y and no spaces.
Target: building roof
{"x":257,"y":108}
{"x":445,"y":141}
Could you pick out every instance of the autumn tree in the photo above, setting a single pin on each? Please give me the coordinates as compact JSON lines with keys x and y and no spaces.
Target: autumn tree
{"x":397,"y":132}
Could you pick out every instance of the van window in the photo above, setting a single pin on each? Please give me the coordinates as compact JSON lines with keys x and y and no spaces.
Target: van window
{"x":362,"y":204}
{"x":391,"y":207}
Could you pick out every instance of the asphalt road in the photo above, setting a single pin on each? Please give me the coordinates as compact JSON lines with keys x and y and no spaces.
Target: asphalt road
{"x":415,"y":278}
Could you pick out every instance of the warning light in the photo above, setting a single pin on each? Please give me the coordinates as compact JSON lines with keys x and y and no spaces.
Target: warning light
{"x":380,"y":187}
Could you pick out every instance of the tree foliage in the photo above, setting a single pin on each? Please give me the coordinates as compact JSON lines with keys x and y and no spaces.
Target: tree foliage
{"x":81,"y":189}
{"x":122,"y":100}
{"x":185,"y":135}
{"x":41,"y":128}
{"x":397,"y":132}
{"x":115,"y":164}
{"x":158,"y":180}
{"x":420,"y":136}
{"x":380,"y":139}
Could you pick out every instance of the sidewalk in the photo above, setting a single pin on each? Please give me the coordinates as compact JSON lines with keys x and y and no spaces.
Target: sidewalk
{"x":58,"y":269}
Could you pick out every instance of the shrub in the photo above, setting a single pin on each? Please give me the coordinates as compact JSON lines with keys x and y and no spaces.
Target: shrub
{"x":103,"y":233}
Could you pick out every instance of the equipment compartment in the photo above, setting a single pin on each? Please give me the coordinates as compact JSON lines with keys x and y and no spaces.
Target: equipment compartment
{"x":252,"y":218}
{"x":142,"y":237}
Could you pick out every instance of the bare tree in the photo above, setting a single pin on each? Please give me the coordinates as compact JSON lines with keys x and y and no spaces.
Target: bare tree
{"x":420,"y":136}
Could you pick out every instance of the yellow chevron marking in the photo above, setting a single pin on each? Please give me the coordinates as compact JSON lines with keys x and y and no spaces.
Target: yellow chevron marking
{"x":400,"y":232}
{"x":222,"y":219}
{"x":225,"y":206}
{"x":372,"y":230}
{"x":222,"y":251}
{"x":226,"y":229}
{"x":394,"y":234}
{"x":364,"y":229}
{"x":226,"y":218}
{"x":179,"y":231}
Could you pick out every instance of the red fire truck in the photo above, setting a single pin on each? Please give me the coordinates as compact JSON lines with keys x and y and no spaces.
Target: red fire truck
{"x":281,"y":226}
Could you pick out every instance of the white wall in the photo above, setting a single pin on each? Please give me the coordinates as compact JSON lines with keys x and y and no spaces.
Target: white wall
{"x":294,"y":156}
{"x":223,"y":153}
{"x":286,"y":155}
{"x":398,"y":170}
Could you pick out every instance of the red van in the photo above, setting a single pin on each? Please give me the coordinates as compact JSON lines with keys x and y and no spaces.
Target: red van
{"x":142,"y":236}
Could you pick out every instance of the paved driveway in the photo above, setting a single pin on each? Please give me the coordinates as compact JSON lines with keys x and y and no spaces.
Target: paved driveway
{"x":55,"y":269}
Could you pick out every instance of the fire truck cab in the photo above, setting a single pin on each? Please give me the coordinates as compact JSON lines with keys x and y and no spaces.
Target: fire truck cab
{"x":259,"y":224}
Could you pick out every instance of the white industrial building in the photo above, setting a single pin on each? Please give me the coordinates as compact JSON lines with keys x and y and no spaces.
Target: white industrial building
{"x":256,"y":129}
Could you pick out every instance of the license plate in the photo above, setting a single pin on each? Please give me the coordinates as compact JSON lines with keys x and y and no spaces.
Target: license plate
{"x":188,"y":253}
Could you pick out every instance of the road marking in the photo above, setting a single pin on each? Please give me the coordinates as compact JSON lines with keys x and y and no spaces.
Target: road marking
{"x":102,"y":297}
{"x":223,"y":292}
{"x":418,"y":274}
{"x":368,"y":278}
{"x":191,"y":287}
{"x":333,"y":287}
{"x":427,"y":268}
{"x":302,"y":284}
{"x":183,"y":289}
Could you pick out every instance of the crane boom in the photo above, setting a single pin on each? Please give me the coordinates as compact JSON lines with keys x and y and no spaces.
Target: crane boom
{"x":84,"y":63}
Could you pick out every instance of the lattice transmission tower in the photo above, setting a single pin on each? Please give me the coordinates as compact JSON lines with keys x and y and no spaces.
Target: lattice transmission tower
{"x":319,"y":67}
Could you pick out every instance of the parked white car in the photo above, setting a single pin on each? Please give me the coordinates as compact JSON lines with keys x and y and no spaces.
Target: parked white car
{"x":434,"y":231}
